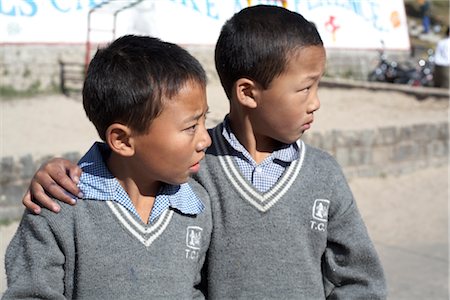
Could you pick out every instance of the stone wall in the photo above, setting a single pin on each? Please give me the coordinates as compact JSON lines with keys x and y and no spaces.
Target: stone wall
{"x":385,"y":150}
{"x":362,"y":153}
{"x":37,"y":68}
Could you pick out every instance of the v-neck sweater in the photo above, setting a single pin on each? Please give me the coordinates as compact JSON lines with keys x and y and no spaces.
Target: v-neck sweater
{"x":302,"y":239}
{"x":101,"y":250}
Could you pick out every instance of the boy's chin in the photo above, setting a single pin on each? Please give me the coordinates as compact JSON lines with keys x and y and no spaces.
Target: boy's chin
{"x":180,"y":181}
{"x":290,"y":140}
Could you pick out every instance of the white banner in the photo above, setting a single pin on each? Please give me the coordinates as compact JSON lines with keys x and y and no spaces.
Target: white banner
{"x":349,"y":24}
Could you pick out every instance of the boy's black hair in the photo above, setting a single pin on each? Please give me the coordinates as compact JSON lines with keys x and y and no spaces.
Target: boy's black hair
{"x":257,"y":41}
{"x":129,"y":80}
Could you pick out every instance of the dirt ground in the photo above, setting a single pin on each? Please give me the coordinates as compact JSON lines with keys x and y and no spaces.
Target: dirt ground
{"x":57,"y":124}
{"x":407,"y":216}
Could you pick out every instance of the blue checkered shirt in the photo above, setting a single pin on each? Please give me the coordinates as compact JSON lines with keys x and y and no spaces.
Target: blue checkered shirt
{"x":97,"y":183}
{"x":264,"y":175}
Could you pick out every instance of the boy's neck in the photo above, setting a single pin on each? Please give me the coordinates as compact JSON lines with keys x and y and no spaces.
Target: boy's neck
{"x":141,"y":192}
{"x":258,"y":146}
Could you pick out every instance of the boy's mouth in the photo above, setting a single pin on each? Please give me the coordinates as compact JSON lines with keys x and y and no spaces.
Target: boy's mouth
{"x":307,"y":126}
{"x":195,"y":168}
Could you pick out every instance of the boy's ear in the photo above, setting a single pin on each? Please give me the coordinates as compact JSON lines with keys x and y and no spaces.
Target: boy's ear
{"x":119,"y":139}
{"x":246,"y":91}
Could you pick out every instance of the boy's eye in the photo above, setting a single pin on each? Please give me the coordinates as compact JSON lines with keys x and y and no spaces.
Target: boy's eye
{"x":192,"y":128}
{"x":200,"y":121}
{"x":304,"y":90}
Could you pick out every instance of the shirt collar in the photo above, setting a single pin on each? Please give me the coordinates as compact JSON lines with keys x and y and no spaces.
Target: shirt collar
{"x":97,"y":183}
{"x":287,"y":153}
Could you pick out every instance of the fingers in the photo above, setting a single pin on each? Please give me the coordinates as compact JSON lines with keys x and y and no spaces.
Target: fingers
{"x":58,"y":179}
{"x":43,"y":188}
{"x":64,"y":177}
{"x":53,"y":179}
{"x":41,"y":198}
{"x":30,"y":205}
{"x":75,"y":173}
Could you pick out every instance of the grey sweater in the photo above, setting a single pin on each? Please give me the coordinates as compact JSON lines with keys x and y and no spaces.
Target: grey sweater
{"x":303,"y":239}
{"x":99,"y":250}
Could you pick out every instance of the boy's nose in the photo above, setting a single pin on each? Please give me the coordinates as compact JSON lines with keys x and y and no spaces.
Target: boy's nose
{"x":205,"y":140}
{"x":314,"y":104}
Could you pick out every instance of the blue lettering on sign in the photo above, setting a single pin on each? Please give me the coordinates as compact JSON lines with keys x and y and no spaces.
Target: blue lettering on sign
{"x":237,"y":5}
{"x":94,"y":3}
{"x":193,"y":4}
{"x":370,"y":14}
{"x":25,"y":8}
{"x":29,"y":8}
{"x":375,"y":20}
{"x":240,"y":4}
{"x":55,"y":4}
{"x":210,"y":6}
{"x":206,"y":7}
{"x":267,"y":2}
{"x":59,"y":5}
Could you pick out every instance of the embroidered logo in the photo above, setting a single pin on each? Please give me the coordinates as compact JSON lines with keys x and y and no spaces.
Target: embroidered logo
{"x":320,"y":214}
{"x":193,"y":237}
{"x":193,"y":241}
{"x":320,"y":210}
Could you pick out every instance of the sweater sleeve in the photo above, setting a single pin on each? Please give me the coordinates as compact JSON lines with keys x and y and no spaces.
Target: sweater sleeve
{"x":350,"y":265}
{"x":34,"y":262}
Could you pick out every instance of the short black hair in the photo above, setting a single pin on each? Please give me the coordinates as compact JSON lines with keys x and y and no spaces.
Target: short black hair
{"x":257,"y":41}
{"x":129,"y":80}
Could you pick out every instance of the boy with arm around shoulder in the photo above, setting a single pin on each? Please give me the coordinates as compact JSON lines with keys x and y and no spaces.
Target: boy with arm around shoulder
{"x":285,"y":223}
{"x":140,"y":229}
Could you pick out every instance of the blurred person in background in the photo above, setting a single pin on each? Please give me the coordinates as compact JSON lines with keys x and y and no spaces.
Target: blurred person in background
{"x":442,"y":62}
{"x":425,"y":8}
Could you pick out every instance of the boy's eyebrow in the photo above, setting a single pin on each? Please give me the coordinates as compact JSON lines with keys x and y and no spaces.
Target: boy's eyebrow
{"x":315,"y":76}
{"x":310,"y":78}
{"x":196,"y":116}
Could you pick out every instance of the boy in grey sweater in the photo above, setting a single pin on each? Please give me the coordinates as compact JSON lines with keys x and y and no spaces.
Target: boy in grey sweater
{"x":286,"y":225}
{"x":140,"y":231}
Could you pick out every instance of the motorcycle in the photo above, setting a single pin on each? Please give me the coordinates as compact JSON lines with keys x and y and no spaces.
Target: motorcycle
{"x":388,"y":71}
{"x":425,"y":70}
{"x":385,"y":71}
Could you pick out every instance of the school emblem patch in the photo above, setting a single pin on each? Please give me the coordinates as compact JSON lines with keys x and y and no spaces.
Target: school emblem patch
{"x":194,"y":237}
{"x":320,"y":209}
